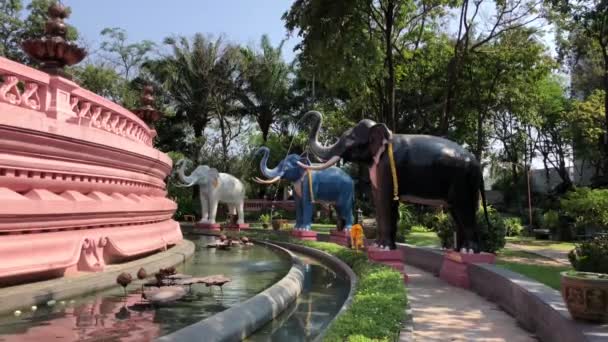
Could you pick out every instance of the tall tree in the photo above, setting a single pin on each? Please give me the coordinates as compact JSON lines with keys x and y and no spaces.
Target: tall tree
{"x":10,"y":27}
{"x":265,"y":88}
{"x":588,"y":20}
{"x":127,"y":57}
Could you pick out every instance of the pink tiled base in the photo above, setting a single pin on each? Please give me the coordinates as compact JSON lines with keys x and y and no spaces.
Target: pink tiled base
{"x":237,"y":226}
{"x":208,"y":226}
{"x":339,"y":237}
{"x":454,"y":269}
{"x":304,"y":234}
{"x":392,"y":258}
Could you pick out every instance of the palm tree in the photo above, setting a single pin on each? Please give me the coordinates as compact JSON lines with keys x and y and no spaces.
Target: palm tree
{"x":265,"y":84}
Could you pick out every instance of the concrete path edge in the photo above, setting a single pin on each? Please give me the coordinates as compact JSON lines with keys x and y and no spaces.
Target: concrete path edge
{"x":240,"y":321}
{"x":39,"y":293}
{"x":538,"y":308}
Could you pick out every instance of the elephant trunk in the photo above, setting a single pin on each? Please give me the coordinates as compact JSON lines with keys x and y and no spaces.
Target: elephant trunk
{"x":323,"y":152}
{"x":268,"y":173}
{"x":186,"y":180}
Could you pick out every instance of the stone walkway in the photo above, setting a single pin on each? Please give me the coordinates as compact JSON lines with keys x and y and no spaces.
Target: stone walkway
{"x":446,"y":313}
{"x":559,"y":256}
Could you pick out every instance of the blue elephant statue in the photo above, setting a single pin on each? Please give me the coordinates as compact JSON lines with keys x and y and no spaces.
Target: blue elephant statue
{"x":331,"y":185}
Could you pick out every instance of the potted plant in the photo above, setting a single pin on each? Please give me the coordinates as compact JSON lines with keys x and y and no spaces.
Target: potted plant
{"x":265,"y":219}
{"x":278,"y":222}
{"x":585,"y":290}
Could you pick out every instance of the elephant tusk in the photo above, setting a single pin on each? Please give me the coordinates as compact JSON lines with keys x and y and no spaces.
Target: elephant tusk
{"x":269,"y":181}
{"x":333,"y":160}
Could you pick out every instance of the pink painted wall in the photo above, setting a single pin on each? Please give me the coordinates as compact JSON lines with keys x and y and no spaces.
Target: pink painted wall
{"x":81,"y":186}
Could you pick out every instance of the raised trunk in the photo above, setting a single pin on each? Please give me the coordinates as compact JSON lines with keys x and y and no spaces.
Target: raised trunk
{"x":320,"y":151}
{"x":182,"y":175}
{"x":268,"y":173}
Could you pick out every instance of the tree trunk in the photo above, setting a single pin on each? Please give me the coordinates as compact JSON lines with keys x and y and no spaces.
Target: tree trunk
{"x":224,"y":145}
{"x":605,"y":53}
{"x":479,"y":147}
{"x":390,"y":80}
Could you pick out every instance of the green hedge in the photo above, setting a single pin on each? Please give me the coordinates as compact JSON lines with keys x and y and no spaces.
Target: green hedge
{"x":379,"y":302}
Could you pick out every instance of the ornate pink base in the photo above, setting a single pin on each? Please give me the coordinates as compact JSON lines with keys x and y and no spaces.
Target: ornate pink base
{"x":304,"y":234}
{"x":208,"y":226}
{"x":81,"y":185}
{"x":340,"y":237}
{"x":454,"y":269}
{"x":392,"y":258}
{"x":235,"y":226}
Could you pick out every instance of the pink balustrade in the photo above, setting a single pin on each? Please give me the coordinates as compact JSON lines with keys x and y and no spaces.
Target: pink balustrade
{"x":81,"y":186}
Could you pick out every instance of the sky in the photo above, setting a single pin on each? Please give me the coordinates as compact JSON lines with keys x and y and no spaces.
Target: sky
{"x":241,"y":21}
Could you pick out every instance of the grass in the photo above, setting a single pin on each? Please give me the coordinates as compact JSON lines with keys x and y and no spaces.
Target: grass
{"x":420,"y":236}
{"x":378,"y":305}
{"x":532,"y":244}
{"x":539,"y":268}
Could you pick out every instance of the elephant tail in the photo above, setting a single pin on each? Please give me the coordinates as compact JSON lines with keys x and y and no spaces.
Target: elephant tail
{"x":482,"y":190}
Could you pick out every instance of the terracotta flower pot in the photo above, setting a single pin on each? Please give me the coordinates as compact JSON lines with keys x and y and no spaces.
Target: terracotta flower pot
{"x":586,"y":295}
{"x":278,"y":223}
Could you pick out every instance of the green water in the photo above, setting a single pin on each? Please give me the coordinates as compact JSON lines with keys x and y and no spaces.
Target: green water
{"x":109,"y":316}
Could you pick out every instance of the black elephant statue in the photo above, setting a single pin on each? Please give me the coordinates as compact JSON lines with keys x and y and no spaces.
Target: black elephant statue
{"x":412,"y":168}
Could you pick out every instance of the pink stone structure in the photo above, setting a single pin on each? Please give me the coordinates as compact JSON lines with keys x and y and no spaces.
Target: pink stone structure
{"x":340,"y":237}
{"x":455,"y":267}
{"x":304,"y":234}
{"x":81,"y":186}
{"x":392,"y":258}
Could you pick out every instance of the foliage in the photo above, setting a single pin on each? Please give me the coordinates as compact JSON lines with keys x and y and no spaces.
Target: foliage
{"x":550,"y":220}
{"x":492,"y":237}
{"x":513,"y":226}
{"x":407,"y":219}
{"x":124,"y":56}
{"x":376,"y":312}
{"x":591,"y":255}
{"x":587,"y":207}
{"x":265,"y":218}
{"x":265,"y":84}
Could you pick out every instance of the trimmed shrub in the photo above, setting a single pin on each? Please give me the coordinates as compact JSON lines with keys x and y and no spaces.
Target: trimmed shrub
{"x":590,"y":255}
{"x":407,"y":219}
{"x":492,"y":238}
{"x":513,"y":226}
{"x":588,"y":208}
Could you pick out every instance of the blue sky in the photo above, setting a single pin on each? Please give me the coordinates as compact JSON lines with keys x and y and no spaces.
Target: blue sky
{"x":242,"y":21}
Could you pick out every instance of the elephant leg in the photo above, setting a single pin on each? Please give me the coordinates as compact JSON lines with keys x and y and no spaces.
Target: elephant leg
{"x":459,"y":225}
{"x":307,"y":211}
{"x":299,"y":213}
{"x":383,"y":218}
{"x":204,"y":207}
{"x":345,"y":213}
{"x":241,"y":212}
{"x":212,"y":210}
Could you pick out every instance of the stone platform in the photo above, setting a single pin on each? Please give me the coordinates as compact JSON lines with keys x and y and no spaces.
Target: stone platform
{"x":304,"y":234}
{"x":235,"y":226}
{"x":213,"y":227}
{"x":340,"y":237}
{"x":454,"y":269}
{"x":392,"y":258}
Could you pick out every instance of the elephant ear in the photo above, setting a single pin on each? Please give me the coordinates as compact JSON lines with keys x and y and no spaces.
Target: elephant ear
{"x":379,"y":135}
{"x":214,"y":177}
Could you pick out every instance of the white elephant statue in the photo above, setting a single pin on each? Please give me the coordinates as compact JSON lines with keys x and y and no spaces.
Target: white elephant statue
{"x":214,"y":187}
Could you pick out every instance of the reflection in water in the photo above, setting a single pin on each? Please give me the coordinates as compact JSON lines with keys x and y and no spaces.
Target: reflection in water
{"x":322,"y":297}
{"x":109,"y":316}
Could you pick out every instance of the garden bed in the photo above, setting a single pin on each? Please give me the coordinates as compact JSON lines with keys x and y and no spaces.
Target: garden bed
{"x":377,"y":309}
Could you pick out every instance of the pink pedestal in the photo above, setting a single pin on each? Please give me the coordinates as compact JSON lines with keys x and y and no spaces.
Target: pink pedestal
{"x":235,"y":226}
{"x":392,"y":258}
{"x":339,"y":237}
{"x":81,"y":185}
{"x":208,"y":226}
{"x":304,"y":234}
{"x":454,"y":269}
